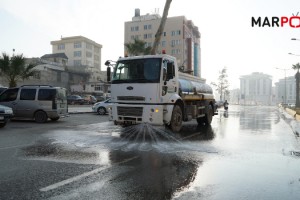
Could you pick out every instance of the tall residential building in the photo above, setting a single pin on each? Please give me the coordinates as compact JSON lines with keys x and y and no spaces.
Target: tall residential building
{"x":181,"y":38}
{"x":80,"y":51}
{"x":256,"y":89}
{"x":285,"y":90}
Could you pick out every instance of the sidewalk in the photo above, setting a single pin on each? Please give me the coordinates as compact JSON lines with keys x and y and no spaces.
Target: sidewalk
{"x":77,"y":109}
{"x":293,"y":117}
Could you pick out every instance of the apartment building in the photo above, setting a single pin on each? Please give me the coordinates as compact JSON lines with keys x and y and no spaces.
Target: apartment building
{"x":82,"y":53}
{"x":285,"y":90}
{"x":181,"y":38}
{"x":256,"y":89}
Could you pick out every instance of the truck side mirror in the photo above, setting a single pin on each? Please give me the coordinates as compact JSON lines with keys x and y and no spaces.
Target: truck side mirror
{"x":164,"y":74}
{"x":108,"y":73}
{"x":170,"y":71}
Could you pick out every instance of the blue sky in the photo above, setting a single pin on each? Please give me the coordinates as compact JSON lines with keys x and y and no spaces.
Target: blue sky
{"x":227,"y":38}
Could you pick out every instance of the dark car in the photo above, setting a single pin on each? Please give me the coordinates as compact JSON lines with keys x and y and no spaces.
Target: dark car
{"x":75,"y":99}
{"x":5,"y":114}
{"x":2,"y":89}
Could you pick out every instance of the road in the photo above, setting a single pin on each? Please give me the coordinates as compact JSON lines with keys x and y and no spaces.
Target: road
{"x":247,"y":153}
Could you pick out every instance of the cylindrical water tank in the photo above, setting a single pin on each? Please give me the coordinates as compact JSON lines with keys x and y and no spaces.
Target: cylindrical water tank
{"x":187,"y":86}
{"x":137,"y":12}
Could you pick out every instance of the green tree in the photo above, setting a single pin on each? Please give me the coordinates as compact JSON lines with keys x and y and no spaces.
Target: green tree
{"x":15,"y":68}
{"x":297,"y":67}
{"x":222,"y":86}
{"x":137,"y":48}
{"x":161,"y":27}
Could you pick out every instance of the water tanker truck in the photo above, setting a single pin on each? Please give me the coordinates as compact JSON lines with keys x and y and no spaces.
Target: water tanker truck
{"x":150,"y":89}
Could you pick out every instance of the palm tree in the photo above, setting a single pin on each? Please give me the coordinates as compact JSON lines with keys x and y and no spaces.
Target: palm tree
{"x":137,"y":48}
{"x":161,"y":27}
{"x":15,"y":68}
{"x":297,"y":67}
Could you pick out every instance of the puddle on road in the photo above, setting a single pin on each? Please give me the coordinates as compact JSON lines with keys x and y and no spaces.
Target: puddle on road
{"x":92,"y":144}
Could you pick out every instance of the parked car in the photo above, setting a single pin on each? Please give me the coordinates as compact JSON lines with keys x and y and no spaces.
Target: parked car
{"x":90,"y":99}
{"x":102,"y":107}
{"x":2,"y":89}
{"x":38,"y":102}
{"x":5,"y":114}
{"x":75,"y":99}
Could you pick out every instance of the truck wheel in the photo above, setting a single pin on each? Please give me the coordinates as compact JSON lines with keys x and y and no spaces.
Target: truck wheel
{"x":40,"y":117}
{"x":200,"y":120}
{"x":208,"y":116}
{"x":176,"y":120}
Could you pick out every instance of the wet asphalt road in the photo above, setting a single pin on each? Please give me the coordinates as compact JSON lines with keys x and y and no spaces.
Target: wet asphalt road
{"x":247,"y":153}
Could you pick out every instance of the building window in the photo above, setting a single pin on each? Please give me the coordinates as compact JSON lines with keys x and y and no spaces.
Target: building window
{"x":61,"y":46}
{"x":97,"y":50}
{"x":145,"y":36}
{"x":132,"y":28}
{"x":147,"y":27}
{"x":148,"y":44}
{"x":165,"y":34}
{"x":136,"y":28}
{"x":98,"y":88}
{"x":77,"y":62}
{"x":173,"y":43}
{"x":173,"y":51}
{"x":77,"y":53}
{"x":178,"y":32}
{"x":89,"y":46}
{"x":173,"y":33}
{"x":77,"y":45}
{"x":150,"y":35}
{"x":89,"y":54}
{"x":163,"y":43}
{"x":132,"y":37}
{"x":58,"y":76}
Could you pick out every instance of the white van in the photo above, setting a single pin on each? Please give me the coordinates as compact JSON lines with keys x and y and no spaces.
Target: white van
{"x":38,"y":102}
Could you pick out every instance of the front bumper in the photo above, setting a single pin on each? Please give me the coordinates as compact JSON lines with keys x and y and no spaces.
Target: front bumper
{"x":135,"y":114}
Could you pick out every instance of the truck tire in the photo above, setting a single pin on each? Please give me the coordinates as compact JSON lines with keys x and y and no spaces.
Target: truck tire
{"x":176,"y":119}
{"x":208,"y":116}
{"x":200,"y":120}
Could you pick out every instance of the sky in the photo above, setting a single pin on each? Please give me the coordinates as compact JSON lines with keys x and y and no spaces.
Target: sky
{"x":227,"y":37}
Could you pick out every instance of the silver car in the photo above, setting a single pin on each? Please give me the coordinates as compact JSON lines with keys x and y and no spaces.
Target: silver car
{"x":102,"y":107}
{"x":5,"y":114}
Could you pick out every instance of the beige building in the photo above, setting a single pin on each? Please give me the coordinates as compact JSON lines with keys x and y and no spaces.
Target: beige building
{"x":181,"y":38}
{"x":82,"y":53}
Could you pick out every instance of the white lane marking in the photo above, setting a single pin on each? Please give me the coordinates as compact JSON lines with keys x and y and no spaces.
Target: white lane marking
{"x":76,"y":178}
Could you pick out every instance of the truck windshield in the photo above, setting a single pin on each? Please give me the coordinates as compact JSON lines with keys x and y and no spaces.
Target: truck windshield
{"x":145,"y":70}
